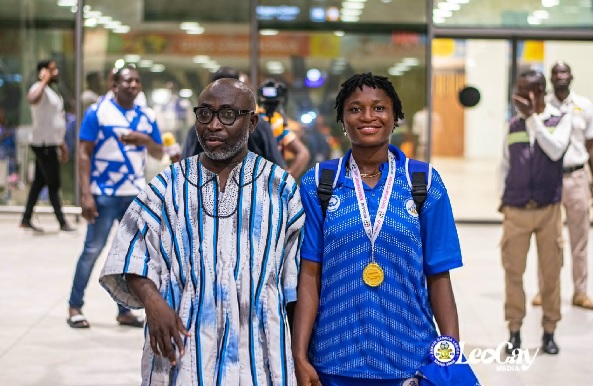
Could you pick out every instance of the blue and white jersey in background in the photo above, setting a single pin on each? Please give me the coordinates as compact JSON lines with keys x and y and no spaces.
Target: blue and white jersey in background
{"x":117,"y":169}
{"x":381,"y":333}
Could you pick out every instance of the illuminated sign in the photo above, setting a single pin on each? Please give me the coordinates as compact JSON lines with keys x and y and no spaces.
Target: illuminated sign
{"x":282,"y":12}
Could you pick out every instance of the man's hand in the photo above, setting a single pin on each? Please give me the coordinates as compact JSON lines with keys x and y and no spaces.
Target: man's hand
{"x":64,"y":156}
{"x":44,"y":75}
{"x":89,"y":208}
{"x":165,"y":329}
{"x":306,"y":374}
{"x":525,"y":106}
{"x":135,"y":138}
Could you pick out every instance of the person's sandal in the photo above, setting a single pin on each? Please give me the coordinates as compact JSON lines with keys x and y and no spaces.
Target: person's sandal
{"x":78,"y":321}
{"x":132,"y":321}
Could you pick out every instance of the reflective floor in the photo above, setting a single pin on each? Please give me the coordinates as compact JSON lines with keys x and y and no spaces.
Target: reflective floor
{"x":38,"y":348}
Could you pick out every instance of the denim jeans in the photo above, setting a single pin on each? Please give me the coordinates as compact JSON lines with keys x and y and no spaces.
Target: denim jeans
{"x":110,"y":208}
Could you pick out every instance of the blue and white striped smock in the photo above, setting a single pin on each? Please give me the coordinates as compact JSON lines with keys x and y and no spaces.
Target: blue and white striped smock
{"x":226,"y":262}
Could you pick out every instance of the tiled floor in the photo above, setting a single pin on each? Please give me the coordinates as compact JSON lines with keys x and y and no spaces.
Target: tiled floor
{"x":38,"y":348}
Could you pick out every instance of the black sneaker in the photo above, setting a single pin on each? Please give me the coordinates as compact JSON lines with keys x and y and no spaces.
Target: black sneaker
{"x":29,"y":226}
{"x":67,"y":228}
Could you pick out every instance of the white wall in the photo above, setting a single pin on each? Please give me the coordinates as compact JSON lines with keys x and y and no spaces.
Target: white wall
{"x":486,"y":68}
{"x":579,"y":56}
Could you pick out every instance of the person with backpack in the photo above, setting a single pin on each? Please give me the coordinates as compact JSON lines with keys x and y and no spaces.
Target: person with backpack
{"x":379,"y":242}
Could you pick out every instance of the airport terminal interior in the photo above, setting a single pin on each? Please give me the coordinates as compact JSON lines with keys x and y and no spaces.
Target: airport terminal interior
{"x":452,"y":62}
{"x":311,"y":46}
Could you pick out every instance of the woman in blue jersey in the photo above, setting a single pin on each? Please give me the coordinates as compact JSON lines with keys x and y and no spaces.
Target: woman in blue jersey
{"x":374,"y":273}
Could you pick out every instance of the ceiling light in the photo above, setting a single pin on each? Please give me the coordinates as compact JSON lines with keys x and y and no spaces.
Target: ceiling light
{"x":104,"y":19}
{"x":124,"y":29}
{"x":550,"y":3}
{"x":67,"y":3}
{"x":394,"y":71}
{"x":201,"y":59}
{"x":119,"y":63}
{"x":438,"y":19}
{"x":157,"y":68}
{"x":339,"y":33}
{"x":268,"y":32}
{"x":411,"y":61}
{"x":349,"y":19}
{"x":94,"y":14}
{"x":92,"y":22}
{"x":189,"y":25}
{"x":186,"y":93}
{"x":350,"y":12}
{"x":113,"y":24}
{"x":132,"y":58}
{"x":145,"y":63}
{"x":442,"y":13}
{"x":449,"y":6}
{"x":350,"y":5}
{"x":195,"y":31}
{"x":541,"y":14}
{"x":533,"y":20}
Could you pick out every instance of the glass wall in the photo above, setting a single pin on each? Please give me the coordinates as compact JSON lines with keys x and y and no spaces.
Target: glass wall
{"x":311,"y":46}
{"x":31,"y":30}
{"x":513,"y":13}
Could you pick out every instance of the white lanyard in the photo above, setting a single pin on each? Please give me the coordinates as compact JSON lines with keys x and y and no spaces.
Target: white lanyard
{"x":372,"y":231}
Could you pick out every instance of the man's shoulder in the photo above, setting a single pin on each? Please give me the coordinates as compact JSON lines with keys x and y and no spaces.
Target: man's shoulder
{"x":582,"y":101}
{"x":149,"y":112}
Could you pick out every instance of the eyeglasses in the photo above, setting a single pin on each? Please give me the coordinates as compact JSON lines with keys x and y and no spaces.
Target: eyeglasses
{"x":226,"y":116}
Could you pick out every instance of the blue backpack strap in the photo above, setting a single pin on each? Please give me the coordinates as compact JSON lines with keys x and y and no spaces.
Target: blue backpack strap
{"x":326,"y":176}
{"x":419,"y":175}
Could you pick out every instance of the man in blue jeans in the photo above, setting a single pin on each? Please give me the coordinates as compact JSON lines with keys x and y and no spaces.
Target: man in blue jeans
{"x":114,"y":137}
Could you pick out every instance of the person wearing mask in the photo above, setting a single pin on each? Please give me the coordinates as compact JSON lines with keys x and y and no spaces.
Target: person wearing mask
{"x":47,"y":142}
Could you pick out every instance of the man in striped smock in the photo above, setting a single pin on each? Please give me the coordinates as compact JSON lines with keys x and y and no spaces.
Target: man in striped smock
{"x":210,"y":249}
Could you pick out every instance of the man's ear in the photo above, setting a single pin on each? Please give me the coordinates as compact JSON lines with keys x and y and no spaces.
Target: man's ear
{"x":253,"y":122}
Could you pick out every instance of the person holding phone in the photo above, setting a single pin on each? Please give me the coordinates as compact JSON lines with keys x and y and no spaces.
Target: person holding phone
{"x":47,"y":142}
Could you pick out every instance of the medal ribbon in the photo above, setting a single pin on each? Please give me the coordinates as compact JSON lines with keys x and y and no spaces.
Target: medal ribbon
{"x":372,"y":231}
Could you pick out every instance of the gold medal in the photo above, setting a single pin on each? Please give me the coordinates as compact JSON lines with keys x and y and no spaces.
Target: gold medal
{"x":373,"y":275}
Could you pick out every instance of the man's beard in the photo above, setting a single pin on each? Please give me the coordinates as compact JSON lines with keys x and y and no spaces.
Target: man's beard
{"x":228,"y":150}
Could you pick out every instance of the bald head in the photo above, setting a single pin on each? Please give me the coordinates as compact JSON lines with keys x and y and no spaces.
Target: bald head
{"x":233,"y":91}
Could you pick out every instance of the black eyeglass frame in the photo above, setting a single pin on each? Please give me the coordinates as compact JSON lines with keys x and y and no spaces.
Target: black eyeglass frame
{"x":237,"y":112}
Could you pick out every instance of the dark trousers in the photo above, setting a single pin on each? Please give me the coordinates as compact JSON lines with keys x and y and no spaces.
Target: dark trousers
{"x":47,"y":173}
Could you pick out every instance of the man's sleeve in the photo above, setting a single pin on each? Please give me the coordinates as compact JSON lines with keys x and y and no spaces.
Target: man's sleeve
{"x":89,"y":129}
{"x":137,"y":247}
{"x":156,"y":133}
{"x":504,"y":163}
{"x":553,"y":144}
{"x":292,"y":244}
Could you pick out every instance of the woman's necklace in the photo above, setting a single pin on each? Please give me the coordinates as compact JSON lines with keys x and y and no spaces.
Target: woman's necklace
{"x":370,"y":175}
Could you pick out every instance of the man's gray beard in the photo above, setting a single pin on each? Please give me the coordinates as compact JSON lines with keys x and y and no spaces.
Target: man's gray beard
{"x":228,"y":151}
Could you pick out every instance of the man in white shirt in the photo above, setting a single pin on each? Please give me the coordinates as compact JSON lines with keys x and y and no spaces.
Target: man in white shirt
{"x":47,"y":142}
{"x":576,"y":196}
